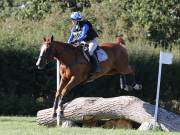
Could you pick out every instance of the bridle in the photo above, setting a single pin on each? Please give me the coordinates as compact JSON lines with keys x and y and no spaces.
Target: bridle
{"x":48,"y":53}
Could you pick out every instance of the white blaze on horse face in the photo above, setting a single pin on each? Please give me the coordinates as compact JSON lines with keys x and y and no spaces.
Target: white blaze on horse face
{"x":43,"y":48}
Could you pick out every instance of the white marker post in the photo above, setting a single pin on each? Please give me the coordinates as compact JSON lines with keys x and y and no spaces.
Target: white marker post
{"x":165,"y":58}
{"x":57,"y":86}
{"x":57,"y":74}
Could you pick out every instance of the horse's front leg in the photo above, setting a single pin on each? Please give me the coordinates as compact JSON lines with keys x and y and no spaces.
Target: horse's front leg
{"x":58,"y":96}
{"x":72,"y":83}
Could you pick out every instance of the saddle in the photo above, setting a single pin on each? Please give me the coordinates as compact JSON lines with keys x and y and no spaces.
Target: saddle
{"x":99,"y":52}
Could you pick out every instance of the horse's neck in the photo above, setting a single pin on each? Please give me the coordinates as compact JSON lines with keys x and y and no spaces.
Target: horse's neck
{"x":64,"y":52}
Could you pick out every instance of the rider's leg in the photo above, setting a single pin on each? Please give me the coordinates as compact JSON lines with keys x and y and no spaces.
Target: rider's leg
{"x":92,"y":47}
{"x":95,"y":62}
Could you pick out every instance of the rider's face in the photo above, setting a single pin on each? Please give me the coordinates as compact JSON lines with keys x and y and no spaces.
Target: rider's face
{"x":74,"y":22}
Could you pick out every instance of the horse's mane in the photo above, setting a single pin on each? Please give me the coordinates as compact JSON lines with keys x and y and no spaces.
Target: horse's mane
{"x":61,"y":43}
{"x":69,"y":46}
{"x":64,"y":44}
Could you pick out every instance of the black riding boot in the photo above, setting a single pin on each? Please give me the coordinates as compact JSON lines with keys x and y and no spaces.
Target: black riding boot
{"x":95,"y":62}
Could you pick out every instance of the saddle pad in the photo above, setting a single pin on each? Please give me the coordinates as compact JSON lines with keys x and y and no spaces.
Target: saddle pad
{"x":102,"y":55}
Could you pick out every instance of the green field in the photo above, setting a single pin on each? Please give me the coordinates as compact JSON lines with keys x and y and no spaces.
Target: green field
{"x":27,"y":126}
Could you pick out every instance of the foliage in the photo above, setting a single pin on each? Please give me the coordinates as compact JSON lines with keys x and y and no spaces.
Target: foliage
{"x":151,"y":19}
{"x":36,"y":9}
{"x":157,"y":19}
{"x":20,"y":79}
{"x":32,"y":9}
{"x":15,"y":104}
{"x":29,"y":89}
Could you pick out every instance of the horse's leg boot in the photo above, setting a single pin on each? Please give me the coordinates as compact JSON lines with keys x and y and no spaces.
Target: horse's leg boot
{"x":55,"y":106}
{"x":54,"y":115}
{"x":95,"y":62}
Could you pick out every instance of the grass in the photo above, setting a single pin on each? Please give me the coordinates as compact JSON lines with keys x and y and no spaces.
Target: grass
{"x":27,"y":126}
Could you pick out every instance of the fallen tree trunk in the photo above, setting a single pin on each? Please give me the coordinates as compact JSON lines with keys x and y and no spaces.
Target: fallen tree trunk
{"x":128,"y":107}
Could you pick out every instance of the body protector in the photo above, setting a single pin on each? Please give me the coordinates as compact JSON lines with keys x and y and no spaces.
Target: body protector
{"x":90,"y":34}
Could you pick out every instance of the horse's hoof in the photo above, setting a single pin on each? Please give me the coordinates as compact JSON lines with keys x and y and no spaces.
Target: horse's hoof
{"x":54,"y":115}
{"x":68,"y":123}
{"x":128,"y":88}
{"x":60,"y":118}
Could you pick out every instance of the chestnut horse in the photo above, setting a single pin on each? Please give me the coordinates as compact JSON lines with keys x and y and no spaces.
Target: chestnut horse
{"x":74,"y":67}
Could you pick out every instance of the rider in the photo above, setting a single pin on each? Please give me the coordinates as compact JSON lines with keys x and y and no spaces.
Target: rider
{"x":82,"y":30}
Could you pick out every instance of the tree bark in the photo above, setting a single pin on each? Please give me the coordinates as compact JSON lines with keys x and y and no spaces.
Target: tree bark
{"x":96,"y":108}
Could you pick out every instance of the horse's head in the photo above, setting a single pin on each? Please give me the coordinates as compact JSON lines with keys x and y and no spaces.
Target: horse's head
{"x":46,"y":53}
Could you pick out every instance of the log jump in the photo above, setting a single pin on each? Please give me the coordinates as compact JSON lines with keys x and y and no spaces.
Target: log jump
{"x":122,"y":108}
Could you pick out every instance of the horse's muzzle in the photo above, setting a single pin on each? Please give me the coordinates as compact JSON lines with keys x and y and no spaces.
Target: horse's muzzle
{"x":39,"y":66}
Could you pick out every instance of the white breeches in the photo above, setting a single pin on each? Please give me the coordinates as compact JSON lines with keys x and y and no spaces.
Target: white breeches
{"x":92,"y":46}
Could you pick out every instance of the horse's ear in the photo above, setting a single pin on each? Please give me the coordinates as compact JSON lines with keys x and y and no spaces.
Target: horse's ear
{"x":44,"y":39}
{"x":52,"y":38}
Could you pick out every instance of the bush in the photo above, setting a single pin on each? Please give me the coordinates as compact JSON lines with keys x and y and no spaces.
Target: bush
{"x":12,"y":104}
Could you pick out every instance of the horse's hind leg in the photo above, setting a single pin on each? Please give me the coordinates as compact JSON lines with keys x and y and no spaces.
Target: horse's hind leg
{"x":123,"y":82}
{"x":135,"y":85}
{"x":131,"y":79}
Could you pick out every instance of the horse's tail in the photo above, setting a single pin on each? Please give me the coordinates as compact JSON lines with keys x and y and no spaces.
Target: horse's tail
{"x":120,"y":40}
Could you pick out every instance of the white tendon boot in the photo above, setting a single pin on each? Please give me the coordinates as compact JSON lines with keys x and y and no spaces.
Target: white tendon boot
{"x":137,"y":86}
{"x":58,"y":117}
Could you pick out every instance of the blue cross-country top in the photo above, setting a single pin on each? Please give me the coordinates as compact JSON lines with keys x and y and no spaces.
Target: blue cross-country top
{"x":83,"y":31}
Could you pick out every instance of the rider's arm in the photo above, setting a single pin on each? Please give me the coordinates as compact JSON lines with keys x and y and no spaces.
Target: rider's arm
{"x":83,"y":35}
{"x":71,"y":36}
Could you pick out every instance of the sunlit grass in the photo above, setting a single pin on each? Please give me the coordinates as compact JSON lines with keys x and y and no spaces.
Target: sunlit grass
{"x":28,"y":126}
